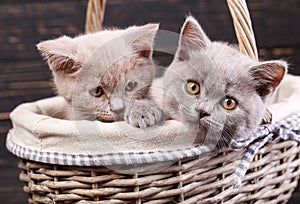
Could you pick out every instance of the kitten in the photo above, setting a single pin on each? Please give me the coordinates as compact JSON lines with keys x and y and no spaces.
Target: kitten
{"x":215,"y":87}
{"x":101,"y":74}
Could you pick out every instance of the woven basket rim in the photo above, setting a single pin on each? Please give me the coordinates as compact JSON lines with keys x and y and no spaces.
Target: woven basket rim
{"x":127,"y":158}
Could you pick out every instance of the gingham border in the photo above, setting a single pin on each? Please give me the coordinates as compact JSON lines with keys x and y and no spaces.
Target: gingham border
{"x":126,"y":158}
{"x":287,"y":129}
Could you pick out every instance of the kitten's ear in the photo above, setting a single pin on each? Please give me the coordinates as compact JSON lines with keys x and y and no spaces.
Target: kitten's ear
{"x":143,"y":39}
{"x":267,"y":76}
{"x":60,"y":55}
{"x":192,"y":37}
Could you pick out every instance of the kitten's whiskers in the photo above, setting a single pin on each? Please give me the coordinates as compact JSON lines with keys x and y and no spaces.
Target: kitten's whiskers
{"x":226,"y":134}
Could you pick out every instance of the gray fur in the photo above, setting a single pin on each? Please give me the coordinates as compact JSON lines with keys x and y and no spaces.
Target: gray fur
{"x":220,"y":70}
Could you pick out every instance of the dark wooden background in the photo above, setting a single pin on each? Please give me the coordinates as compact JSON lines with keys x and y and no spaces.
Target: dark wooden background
{"x":25,"y":77}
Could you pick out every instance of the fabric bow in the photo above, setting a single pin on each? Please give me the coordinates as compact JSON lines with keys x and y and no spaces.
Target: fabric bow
{"x":287,"y":129}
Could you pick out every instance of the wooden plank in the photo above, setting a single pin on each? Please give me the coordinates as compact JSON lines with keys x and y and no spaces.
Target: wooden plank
{"x":10,"y":186}
{"x":5,"y":125}
{"x":4,"y":116}
{"x":25,"y":24}
{"x":24,"y":66}
{"x":24,"y":76}
{"x":23,"y":81}
{"x":290,"y":54}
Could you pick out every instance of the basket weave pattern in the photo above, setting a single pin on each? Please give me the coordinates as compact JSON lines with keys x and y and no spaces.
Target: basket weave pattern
{"x":206,"y":179}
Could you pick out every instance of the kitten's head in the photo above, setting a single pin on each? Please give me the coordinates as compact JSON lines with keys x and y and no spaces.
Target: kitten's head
{"x":213,"y":85}
{"x":97,"y":73}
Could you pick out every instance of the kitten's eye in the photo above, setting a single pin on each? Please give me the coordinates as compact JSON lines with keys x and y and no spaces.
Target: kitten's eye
{"x":97,"y":91}
{"x":193,"y":88}
{"x":130,"y":85}
{"x":228,"y":103}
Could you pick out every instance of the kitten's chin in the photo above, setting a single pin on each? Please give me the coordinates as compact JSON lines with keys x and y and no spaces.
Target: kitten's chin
{"x":204,"y":124}
{"x":118,"y":117}
{"x":208,"y":132}
{"x":202,"y":132}
{"x":112,"y":117}
{"x":105,"y":118}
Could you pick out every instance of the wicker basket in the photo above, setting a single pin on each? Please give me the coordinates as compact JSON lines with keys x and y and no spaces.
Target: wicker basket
{"x":271,"y":178}
{"x":206,"y":179}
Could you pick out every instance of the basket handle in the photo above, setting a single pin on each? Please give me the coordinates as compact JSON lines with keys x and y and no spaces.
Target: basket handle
{"x":245,"y":35}
{"x":243,"y":27}
{"x":94,"y":15}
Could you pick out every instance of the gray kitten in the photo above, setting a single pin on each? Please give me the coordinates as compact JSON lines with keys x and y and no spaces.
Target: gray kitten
{"x":101,"y":75}
{"x":215,"y":87}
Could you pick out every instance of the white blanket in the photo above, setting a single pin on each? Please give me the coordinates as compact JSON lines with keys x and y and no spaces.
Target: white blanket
{"x":287,"y":98}
{"x":34,"y":128}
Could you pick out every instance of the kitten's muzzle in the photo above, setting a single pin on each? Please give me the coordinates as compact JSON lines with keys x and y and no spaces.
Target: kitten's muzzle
{"x":105,"y":118}
{"x":117,"y":105}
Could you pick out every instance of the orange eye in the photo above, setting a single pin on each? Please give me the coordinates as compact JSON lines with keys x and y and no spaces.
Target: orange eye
{"x":193,"y":88}
{"x":229,"y":103}
{"x":97,"y":91}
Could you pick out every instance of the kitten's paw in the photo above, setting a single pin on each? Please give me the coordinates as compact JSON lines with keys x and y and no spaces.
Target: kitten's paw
{"x":143,"y":113}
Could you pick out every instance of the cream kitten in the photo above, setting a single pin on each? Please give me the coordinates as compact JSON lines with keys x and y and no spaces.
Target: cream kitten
{"x":103,"y":73}
{"x":215,"y":87}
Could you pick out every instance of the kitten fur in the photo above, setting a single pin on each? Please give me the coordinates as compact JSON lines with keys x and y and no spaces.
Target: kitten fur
{"x":108,"y":60}
{"x":221,"y":71}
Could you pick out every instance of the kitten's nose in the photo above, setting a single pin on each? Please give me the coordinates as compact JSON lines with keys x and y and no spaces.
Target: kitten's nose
{"x":203,"y":109}
{"x":117,"y":105}
{"x":203,"y":113}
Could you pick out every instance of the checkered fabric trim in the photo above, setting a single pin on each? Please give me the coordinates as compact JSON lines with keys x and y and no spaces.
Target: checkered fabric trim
{"x":288,"y":129}
{"x":126,"y":158}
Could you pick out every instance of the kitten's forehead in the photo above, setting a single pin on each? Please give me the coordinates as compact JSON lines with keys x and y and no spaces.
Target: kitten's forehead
{"x":229,"y":58}
{"x":105,"y":52}
{"x":222,"y":62}
{"x":109,"y":45}
{"x":200,"y":68}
